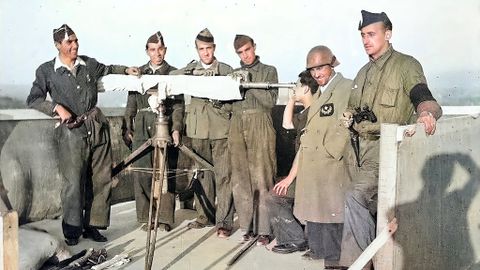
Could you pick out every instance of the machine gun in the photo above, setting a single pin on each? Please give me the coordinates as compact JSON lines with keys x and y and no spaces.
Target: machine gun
{"x":360,"y":115}
{"x":265,"y":85}
{"x":215,"y":88}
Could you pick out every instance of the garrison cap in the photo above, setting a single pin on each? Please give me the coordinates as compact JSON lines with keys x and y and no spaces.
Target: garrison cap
{"x":241,"y":40}
{"x":62,"y":33}
{"x":369,"y":18}
{"x":155,"y":38}
{"x":205,"y":36}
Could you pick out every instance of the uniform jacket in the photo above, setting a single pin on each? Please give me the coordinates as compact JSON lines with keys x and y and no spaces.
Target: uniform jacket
{"x":205,"y":119}
{"x":385,"y":84}
{"x":76,"y":93}
{"x":137,"y":102}
{"x":322,"y":178}
{"x":261,"y":99}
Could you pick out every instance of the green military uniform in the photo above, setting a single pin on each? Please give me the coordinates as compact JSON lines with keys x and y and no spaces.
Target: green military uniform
{"x":252,"y":146}
{"x":140,"y":119}
{"x":207,"y":124}
{"x":85,"y":159}
{"x":384,"y":85}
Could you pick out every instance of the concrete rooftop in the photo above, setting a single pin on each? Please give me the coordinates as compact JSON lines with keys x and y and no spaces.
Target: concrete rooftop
{"x":181,"y":248}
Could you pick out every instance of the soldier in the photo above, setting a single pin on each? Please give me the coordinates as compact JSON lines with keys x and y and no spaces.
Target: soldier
{"x":207,"y":122}
{"x":393,"y":87}
{"x":321,"y":175}
{"x":84,"y":140}
{"x":252,"y":144}
{"x":287,"y":230}
{"x":140,"y":126}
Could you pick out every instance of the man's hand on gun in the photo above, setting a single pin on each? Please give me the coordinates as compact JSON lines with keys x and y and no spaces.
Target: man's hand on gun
{"x":133,"y":71}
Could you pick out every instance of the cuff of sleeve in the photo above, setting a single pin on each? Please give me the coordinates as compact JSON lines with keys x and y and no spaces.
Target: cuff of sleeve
{"x":177,"y":127}
{"x":54,"y":109}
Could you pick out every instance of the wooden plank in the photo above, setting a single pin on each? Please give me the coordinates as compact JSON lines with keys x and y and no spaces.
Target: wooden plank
{"x":381,"y":239}
{"x":9,"y":241}
{"x":387,"y":184}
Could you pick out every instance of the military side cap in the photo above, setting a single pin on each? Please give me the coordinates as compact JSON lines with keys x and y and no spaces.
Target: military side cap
{"x":62,"y":33}
{"x":241,"y":40}
{"x":155,"y":38}
{"x":205,"y":36}
{"x":370,"y":17}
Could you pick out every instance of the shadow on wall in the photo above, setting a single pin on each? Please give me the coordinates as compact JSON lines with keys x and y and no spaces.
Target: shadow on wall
{"x":433,"y":230}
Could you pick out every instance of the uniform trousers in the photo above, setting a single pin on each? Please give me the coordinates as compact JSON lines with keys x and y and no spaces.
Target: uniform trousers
{"x":361,"y":202}
{"x":324,"y":240}
{"x":85,"y":163}
{"x":214,"y":183}
{"x":142,"y":182}
{"x":286,"y":228}
{"x":251,"y":143}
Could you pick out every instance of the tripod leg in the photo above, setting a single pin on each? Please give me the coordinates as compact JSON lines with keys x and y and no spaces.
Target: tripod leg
{"x":158,"y":179}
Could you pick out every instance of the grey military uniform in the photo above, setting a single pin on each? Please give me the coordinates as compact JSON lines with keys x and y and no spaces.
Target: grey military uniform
{"x":84,"y":152}
{"x":207,"y":123}
{"x":140,"y":119}
{"x":252,"y":146}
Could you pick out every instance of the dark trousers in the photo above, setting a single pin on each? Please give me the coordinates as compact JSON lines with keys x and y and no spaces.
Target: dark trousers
{"x":86,"y":164}
{"x":216,"y":183}
{"x":286,"y":227}
{"x":324,"y":240}
{"x":251,"y":143}
{"x":142,"y":188}
{"x":361,"y":202}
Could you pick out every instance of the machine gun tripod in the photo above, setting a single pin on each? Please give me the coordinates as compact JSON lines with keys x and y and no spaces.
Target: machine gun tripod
{"x":158,"y":144}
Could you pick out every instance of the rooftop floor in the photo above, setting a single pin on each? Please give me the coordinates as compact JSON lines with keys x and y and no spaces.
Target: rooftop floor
{"x":181,"y":248}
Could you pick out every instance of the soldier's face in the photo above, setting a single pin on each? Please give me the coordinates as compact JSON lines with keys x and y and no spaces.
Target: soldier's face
{"x":206,"y":51}
{"x":68,"y":48}
{"x":375,"y":39}
{"x":319,"y":66}
{"x":156,"y":52}
{"x":247,"y":53}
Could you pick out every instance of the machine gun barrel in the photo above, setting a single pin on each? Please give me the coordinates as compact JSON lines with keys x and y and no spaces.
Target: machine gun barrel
{"x":266,"y":85}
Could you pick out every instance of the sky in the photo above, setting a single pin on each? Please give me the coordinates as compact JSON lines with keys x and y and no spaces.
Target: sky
{"x":443,"y":35}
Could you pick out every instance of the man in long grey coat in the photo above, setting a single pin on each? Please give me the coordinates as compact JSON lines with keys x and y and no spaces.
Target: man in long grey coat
{"x":321,"y":174}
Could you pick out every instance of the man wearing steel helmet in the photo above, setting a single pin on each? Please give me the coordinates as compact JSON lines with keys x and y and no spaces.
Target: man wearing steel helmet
{"x":321,"y":174}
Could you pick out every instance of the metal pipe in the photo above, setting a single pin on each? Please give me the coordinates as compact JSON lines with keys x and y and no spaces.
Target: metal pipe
{"x":266,"y":85}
